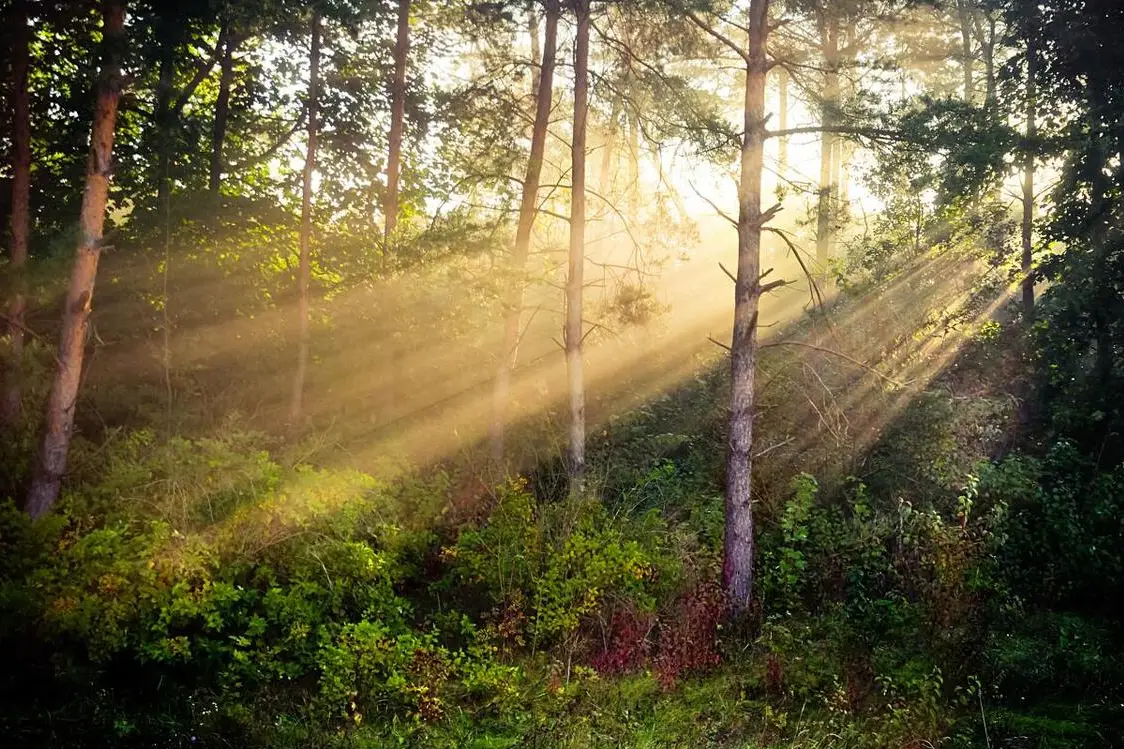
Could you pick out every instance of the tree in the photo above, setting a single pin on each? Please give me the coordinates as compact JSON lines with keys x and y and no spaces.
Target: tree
{"x":528,"y":210}
{"x":20,"y":221}
{"x":397,"y":123}
{"x":575,"y":277}
{"x":829,"y":25}
{"x":222,"y":108}
{"x":305,"y":270}
{"x":1027,"y":227}
{"x":782,"y":122}
{"x":738,"y":552}
{"x":738,"y":547}
{"x":63,"y":398}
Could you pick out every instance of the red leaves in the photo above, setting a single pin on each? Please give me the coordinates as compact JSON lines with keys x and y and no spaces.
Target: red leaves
{"x":687,"y":638}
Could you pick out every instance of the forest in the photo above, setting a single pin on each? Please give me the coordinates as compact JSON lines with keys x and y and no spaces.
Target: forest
{"x":729,"y":374}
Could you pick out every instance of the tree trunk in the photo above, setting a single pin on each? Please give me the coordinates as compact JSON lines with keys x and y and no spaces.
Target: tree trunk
{"x":536,"y":52}
{"x":222,"y":113}
{"x":20,"y":215}
{"x":828,"y":139}
{"x":1028,"y":185}
{"x":306,"y":221}
{"x":632,"y":119}
{"x":528,"y":210}
{"x":738,"y":553}
{"x":782,"y":123}
{"x":397,"y":124}
{"x":575,"y":280}
{"x":63,"y":397}
{"x":608,"y":154}
{"x":988,"y":48}
{"x":162,"y":115}
{"x":967,"y":56}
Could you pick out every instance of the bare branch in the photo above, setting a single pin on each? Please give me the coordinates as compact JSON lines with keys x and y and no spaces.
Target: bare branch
{"x":718,"y":343}
{"x":833,"y":352}
{"x":728,"y":273}
{"x":719,"y":36}
{"x":713,"y":205}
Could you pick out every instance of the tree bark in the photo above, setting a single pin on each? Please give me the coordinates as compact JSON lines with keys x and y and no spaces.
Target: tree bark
{"x":222,"y":112}
{"x":828,"y":139}
{"x":63,"y":398}
{"x":397,"y":124}
{"x":575,"y":280}
{"x":305,"y":271}
{"x":20,"y":221}
{"x":738,"y":552}
{"x":528,"y":211}
{"x":967,"y":56}
{"x":1028,"y":184}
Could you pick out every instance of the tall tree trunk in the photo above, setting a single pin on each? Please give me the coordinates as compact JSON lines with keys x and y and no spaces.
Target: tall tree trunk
{"x":306,"y":221}
{"x":605,"y":177}
{"x":536,"y":51}
{"x":575,"y":280}
{"x":168,"y":30}
{"x":828,"y":139}
{"x":967,"y":55}
{"x":397,"y":124}
{"x":632,"y":119}
{"x":63,"y":397}
{"x":987,"y":46}
{"x":1028,"y":183}
{"x":163,"y":114}
{"x":528,"y":211}
{"x":738,"y":552}
{"x":222,"y":112}
{"x":20,"y":216}
{"x":782,"y":122}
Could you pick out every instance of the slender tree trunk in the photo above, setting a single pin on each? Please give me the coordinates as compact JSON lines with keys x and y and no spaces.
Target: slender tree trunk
{"x":166,"y":121}
{"x":782,"y":123}
{"x":828,"y":139}
{"x":633,"y":120}
{"x":163,"y":113}
{"x":306,"y":221}
{"x":738,"y":554}
{"x":397,"y":124}
{"x":63,"y":397}
{"x":967,"y":55}
{"x":988,"y":48}
{"x":536,"y":51}
{"x":605,"y":177}
{"x":575,"y":280}
{"x":1028,"y":184}
{"x":528,"y":210}
{"x":222,"y":112}
{"x":20,"y":215}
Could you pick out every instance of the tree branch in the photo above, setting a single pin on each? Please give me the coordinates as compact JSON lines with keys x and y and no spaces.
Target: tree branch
{"x":833,"y":352}
{"x":202,"y":70}
{"x":719,"y":36}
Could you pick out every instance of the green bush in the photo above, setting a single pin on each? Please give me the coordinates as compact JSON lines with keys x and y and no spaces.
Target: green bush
{"x":563,"y":563}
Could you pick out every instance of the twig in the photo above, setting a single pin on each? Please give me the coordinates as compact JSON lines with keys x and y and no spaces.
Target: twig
{"x":719,"y":343}
{"x":770,"y":449}
{"x":833,"y":352}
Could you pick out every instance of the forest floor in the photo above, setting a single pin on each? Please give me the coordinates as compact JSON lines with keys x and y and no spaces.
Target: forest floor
{"x":888,"y":619}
